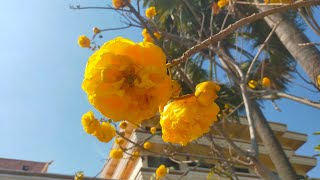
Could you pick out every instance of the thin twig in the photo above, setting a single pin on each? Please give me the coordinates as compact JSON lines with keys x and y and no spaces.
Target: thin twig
{"x":259,"y":51}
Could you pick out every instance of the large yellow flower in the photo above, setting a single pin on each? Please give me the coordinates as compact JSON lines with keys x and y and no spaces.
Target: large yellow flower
{"x":186,"y":119}
{"x":105,"y":132}
{"x":151,"y":12}
{"x":127,"y":81}
{"x":89,"y":122}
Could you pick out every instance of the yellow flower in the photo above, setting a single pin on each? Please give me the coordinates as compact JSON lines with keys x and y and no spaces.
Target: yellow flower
{"x":206,"y":92}
{"x":147,"y":37}
{"x":266,"y":82}
{"x":116,"y":154}
{"x":222,"y":3}
{"x":105,"y":132}
{"x":176,"y":88}
{"x":147,"y":145}
{"x":151,"y":12}
{"x":318,"y":81}
{"x":127,"y":81}
{"x":84,"y":41}
{"x":89,"y":122}
{"x":135,"y":154}
{"x":96,"y":30}
{"x":252,"y":84}
{"x":79,"y":176}
{"x":119,"y":141}
{"x":186,"y":119}
{"x":153,"y":130}
{"x":119,"y":3}
{"x":161,"y":171}
{"x":226,"y":106}
{"x":123,"y":125}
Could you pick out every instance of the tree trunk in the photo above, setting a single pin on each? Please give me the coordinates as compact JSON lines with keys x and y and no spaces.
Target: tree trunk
{"x":289,"y":34}
{"x":276,"y":153}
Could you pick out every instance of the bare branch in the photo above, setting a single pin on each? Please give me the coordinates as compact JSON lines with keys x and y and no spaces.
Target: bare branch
{"x":231,"y":28}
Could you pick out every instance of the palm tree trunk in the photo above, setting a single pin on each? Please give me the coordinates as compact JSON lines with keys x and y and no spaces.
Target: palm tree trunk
{"x":276,"y":153}
{"x":307,"y":56}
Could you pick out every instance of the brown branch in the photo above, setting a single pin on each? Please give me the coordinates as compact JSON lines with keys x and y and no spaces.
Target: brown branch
{"x":231,"y":28}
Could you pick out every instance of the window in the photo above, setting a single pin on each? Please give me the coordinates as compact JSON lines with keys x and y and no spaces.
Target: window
{"x":242,"y":170}
{"x":157,"y":161}
{"x":25,"y":167}
{"x":201,"y":165}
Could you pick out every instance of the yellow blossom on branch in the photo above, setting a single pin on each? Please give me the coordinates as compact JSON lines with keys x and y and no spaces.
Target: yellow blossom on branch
{"x":153,"y":130}
{"x":84,"y":41}
{"x":116,"y":154}
{"x":266,"y":82}
{"x":105,"y":132}
{"x":127,"y":81}
{"x":222,"y":3}
{"x":135,"y":154}
{"x":119,"y":3}
{"x":119,"y":141}
{"x":89,"y":122}
{"x":252,"y":84}
{"x":147,"y":37}
{"x":123,"y":125}
{"x":187,"y":119}
{"x":161,"y":171}
{"x":147,"y":145}
{"x":151,"y":12}
{"x":206,"y":92}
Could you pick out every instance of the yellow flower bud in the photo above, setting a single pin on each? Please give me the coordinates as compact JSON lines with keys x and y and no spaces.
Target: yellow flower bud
{"x":153,"y":130}
{"x":135,"y":154}
{"x":266,"y":82}
{"x":252,"y":84}
{"x":222,"y":3}
{"x":119,"y":141}
{"x":96,"y":30}
{"x":89,"y":122}
{"x":226,"y":106}
{"x":105,"y":132}
{"x":161,"y":171}
{"x":123,"y":125}
{"x":79,"y":175}
{"x":84,"y":41}
{"x":116,"y":154}
{"x":119,"y":3}
{"x":147,"y":145}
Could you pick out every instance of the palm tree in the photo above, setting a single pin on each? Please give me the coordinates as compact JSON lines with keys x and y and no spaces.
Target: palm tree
{"x":291,"y":36}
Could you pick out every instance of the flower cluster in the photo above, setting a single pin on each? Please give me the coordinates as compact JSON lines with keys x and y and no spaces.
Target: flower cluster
{"x":147,"y":37}
{"x":188,"y":118}
{"x":265,"y":83}
{"x":151,"y":12}
{"x":104,"y":131}
{"x":127,"y":81}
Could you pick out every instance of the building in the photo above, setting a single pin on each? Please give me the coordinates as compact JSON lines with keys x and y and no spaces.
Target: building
{"x":145,"y":166}
{"x":14,"y":169}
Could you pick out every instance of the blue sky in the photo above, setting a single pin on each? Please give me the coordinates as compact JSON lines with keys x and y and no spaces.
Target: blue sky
{"x":42,"y":102}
